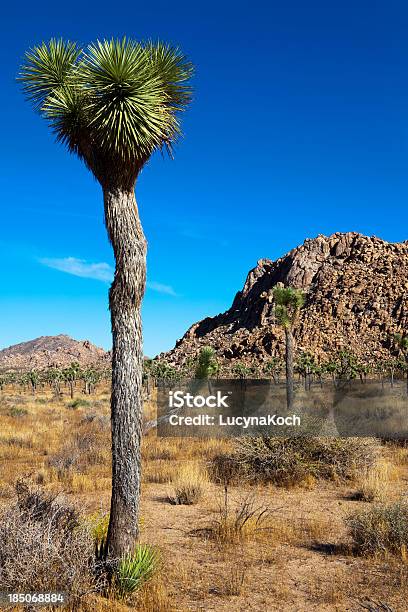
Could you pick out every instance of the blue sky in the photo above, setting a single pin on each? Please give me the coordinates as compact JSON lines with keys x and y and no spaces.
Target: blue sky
{"x":299,"y":126}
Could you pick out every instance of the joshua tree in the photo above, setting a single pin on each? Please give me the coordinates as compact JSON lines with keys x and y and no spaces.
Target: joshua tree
{"x":90,"y":377}
{"x":392,"y":366}
{"x":53,"y":376}
{"x":288,"y":303}
{"x":330,"y":367}
{"x":164,"y":373}
{"x":34,"y":378}
{"x":113,"y":104}
{"x":5,"y":379}
{"x":207,"y":365}
{"x":347,"y":366}
{"x":273,"y":367}
{"x":306,"y":365}
{"x":241,"y":371}
{"x":401,"y":341}
{"x":71,"y":375}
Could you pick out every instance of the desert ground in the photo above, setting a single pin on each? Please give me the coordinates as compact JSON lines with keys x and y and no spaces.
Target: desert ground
{"x":293,"y":551}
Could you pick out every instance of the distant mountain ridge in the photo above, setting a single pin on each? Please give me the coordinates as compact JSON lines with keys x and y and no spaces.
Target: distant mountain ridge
{"x":48,"y":351}
{"x":356,"y":297}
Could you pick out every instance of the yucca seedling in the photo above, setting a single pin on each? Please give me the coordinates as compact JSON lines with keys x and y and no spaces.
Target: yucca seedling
{"x":136,"y":569}
{"x":99,"y":524}
{"x":101,"y":550}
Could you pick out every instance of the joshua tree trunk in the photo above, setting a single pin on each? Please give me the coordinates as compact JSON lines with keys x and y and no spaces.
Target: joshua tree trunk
{"x":406,"y":362}
{"x":125,"y":296}
{"x":289,"y":367}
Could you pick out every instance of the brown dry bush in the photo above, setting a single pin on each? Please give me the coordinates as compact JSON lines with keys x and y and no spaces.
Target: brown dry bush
{"x":84,"y":449}
{"x":381,"y":529}
{"x":244,"y":520}
{"x":374,"y":483}
{"x":43,"y":546}
{"x":291,"y":461}
{"x":189,"y":485}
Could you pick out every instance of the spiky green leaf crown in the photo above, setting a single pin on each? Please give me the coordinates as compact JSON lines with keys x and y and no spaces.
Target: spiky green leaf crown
{"x":117,"y":100}
{"x":288,"y":302}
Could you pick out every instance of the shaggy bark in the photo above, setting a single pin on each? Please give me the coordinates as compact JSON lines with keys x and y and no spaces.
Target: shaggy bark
{"x":289,"y":368}
{"x":125,"y":296}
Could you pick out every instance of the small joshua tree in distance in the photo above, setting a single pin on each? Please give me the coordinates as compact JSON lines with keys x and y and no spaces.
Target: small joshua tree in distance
{"x":288,"y":302}
{"x":401,"y":340}
{"x":207,"y":365}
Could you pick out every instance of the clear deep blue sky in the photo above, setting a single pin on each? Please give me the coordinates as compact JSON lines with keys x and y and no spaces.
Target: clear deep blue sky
{"x":299,"y":126}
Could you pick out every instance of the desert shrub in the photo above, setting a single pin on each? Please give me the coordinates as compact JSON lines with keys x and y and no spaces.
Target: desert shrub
{"x":226,"y":468}
{"x":17,"y":412}
{"x":136,"y":569}
{"x":17,"y":441}
{"x":240,"y":521}
{"x":78,"y":403}
{"x":288,"y":461}
{"x":189,"y":485}
{"x":101,"y":421}
{"x":395,"y":442}
{"x":65,"y":459}
{"x":381,"y":529}
{"x":83,"y":449}
{"x":43,"y":547}
{"x":374,"y":482}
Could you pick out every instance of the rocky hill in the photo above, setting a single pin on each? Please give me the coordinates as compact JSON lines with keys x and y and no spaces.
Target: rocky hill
{"x":51,"y":351}
{"x":356,"y":297}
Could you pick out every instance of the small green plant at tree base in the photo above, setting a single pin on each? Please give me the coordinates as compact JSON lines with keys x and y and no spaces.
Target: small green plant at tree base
{"x":136,"y":569}
{"x":99,"y":523}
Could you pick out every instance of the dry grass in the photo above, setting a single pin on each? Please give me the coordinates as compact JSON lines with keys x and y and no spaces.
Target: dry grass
{"x":190,"y":484}
{"x":333,"y":592}
{"x":375,"y":483}
{"x":234,"y":574}
{"x":380,"y":530}
{"x":399,"y":455}
{"x":154,"y":597}
{"x":263,"y":561}
{"x":159,"y":472}
{"x":299,"y":530}
{"x":244,"y":520}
